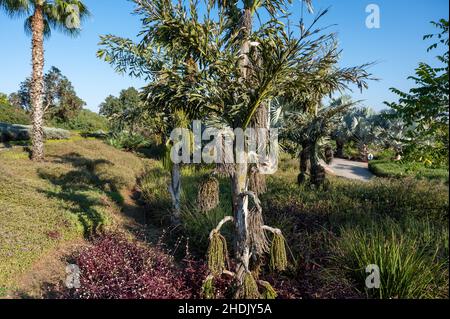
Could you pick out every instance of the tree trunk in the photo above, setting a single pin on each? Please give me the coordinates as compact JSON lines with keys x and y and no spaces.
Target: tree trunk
{"x":240,"y":210}
{"x":239,"y":179}
{"x":317,"y":171}
{"x":339,"y":149}
{"x":175,"y":192}
{"x":304,"y":161}
{"x":364,"y":153}
{"x":258,"y":183}
{"x":37,"y":84}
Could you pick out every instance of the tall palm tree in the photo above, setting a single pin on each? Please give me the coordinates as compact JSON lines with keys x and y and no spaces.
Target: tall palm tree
{"x":240,"y":16}
{"x":225,"y":91}
{"x":41,"y":17}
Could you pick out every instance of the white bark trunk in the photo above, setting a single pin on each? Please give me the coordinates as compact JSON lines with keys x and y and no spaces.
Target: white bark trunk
{"x":240,"y":202}
{"x":240,"y":176}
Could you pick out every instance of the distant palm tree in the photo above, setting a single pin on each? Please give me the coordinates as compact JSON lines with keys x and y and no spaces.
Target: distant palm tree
{"x":42,"y":16}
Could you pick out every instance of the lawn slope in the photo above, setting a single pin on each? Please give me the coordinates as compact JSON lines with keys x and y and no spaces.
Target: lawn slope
{"x":43,"y":206}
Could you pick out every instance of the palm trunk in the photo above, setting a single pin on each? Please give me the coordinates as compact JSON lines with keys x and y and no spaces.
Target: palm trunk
{"x":339,"y":149}
{"x":37,"y":84}
{"x":317,"y":171}
{"x":304,"y":160}
{"x":240,"y":208}
{"x":240,"y":176}
{"x":175,"y":192}
{"x":364,"y":153}
{"x":258,"y":181}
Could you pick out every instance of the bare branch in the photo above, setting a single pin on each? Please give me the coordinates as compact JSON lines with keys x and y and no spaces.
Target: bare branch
{"x":220,"y":225}
{"x":275,"y":231}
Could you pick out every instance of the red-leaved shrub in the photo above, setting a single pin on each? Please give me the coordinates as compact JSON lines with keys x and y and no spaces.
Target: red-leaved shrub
{"x":117,"y":268}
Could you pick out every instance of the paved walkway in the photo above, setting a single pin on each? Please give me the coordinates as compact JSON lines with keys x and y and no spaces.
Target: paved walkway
{"x":349,"y":169}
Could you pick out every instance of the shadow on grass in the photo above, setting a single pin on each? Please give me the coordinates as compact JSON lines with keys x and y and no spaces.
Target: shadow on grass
{"x":77,"y":188}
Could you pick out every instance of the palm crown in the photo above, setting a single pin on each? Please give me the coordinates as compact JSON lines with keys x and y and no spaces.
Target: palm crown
{"x":62,"y":15}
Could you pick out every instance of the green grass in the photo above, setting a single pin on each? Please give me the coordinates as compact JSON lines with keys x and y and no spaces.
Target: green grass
{"x":411,"y":257}
{"x":390,"y":169}
{"x":74,"y":193}
{"x":195,"y":225}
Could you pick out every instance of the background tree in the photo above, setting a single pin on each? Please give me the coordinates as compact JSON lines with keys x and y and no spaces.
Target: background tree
{"x":426,"y":105}
{"x":60,"y":101}
{"x":64,"y":15}
{"x":123,"y":112}
{"x":307,"y":131}
{"x":391,"y":132}
{"x":3,"y":98}
{"x":303,"y":104}
{"x":15,"y":100}
{"x":358,"y":127}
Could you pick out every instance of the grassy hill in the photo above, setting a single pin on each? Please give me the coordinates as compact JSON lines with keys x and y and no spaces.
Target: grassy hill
{"x":77,"y":190}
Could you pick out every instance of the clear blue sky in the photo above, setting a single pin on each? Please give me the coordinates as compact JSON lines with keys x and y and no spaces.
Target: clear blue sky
{"x":397,"y":45}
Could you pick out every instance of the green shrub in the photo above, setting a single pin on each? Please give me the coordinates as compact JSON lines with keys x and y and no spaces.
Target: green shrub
{"x":13,"y":115}
{"x":86,"y":121}
{"x":385,"y":154}
{"x":412,"y":258}
{"x":127,"y":141}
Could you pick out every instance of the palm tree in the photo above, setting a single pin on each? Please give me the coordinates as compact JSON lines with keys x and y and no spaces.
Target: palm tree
{"x":391,"y":132}
{"x":42,"y":16}
{"x":358,"y":126}
{"x":225,"y":87}
{"x":307,"y":131}
{"x":240,"y":16}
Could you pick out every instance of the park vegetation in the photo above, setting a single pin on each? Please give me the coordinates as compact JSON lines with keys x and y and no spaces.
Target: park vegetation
{"x":146,"y":227}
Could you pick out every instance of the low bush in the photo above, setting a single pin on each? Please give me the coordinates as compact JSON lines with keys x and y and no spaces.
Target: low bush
{"x":127,"y":141}
{"x":13,"y":132}
{"x":13,"y":115}
{"x":118,"y":268}
{"x":85,"y":121}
